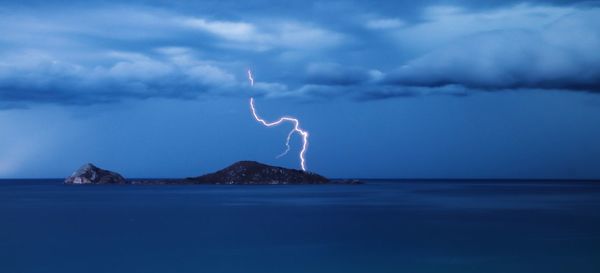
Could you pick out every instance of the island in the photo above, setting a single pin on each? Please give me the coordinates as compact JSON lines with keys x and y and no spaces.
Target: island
{"x":239,"y":173}
{"x":252,"y":172}
{"x":90,"y":174}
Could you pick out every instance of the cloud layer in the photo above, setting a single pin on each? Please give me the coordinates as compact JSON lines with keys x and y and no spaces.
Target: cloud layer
{"x":561,"y":55}
{"x":89,"y":54}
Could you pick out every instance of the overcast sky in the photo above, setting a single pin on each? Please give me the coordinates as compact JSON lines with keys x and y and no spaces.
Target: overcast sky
{"x":433,"y":89}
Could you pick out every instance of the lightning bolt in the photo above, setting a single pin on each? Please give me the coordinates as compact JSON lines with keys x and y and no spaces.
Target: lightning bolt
{"x":250,"y":78}
{"x":287,"y":144}
{"x":294,"y":121}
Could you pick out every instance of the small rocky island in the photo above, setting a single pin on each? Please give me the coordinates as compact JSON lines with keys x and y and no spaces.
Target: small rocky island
{"x":90,"y":174}
{"x":239,"y":173}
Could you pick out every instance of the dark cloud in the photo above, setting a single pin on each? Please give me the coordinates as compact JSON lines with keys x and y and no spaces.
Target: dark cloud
{"x":31,"y":77}
{"x":560,"y":56}
{"x":100,"y":53}
{"x":336,"y":74}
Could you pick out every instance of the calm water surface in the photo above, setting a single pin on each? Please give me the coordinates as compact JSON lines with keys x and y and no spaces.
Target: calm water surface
{"x":383,"y":226}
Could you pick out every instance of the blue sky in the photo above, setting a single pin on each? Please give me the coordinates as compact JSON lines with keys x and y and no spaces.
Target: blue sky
{"x":434,"y":89}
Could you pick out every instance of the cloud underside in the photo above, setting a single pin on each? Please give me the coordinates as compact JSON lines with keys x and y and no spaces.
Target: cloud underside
{"x":148,"y":54}
{"x":560,"y":56}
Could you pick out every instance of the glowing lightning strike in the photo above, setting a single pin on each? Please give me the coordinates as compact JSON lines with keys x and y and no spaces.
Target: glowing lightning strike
{"x":250,"y":77}
{"x":293,"y":120}
{"x":287,"y":144}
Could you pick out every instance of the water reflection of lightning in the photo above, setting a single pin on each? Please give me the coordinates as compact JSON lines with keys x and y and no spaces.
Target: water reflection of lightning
{"x":296,"y":129}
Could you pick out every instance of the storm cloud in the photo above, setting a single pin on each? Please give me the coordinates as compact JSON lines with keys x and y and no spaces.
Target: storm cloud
{"x":562,"y":55}
{"x":103,"y":53}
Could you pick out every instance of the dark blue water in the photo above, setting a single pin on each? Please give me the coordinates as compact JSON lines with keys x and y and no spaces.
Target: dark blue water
{"x":383,"y":226}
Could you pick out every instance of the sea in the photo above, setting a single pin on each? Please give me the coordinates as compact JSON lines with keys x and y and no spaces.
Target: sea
{"x":391,"y":226}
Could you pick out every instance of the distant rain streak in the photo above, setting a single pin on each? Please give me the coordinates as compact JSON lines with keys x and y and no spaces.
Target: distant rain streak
{"x":296,"y":129}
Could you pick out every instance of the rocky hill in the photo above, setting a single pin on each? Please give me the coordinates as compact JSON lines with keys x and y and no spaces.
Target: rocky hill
{"x":252,"y":172}
{"x":90,"y":174}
